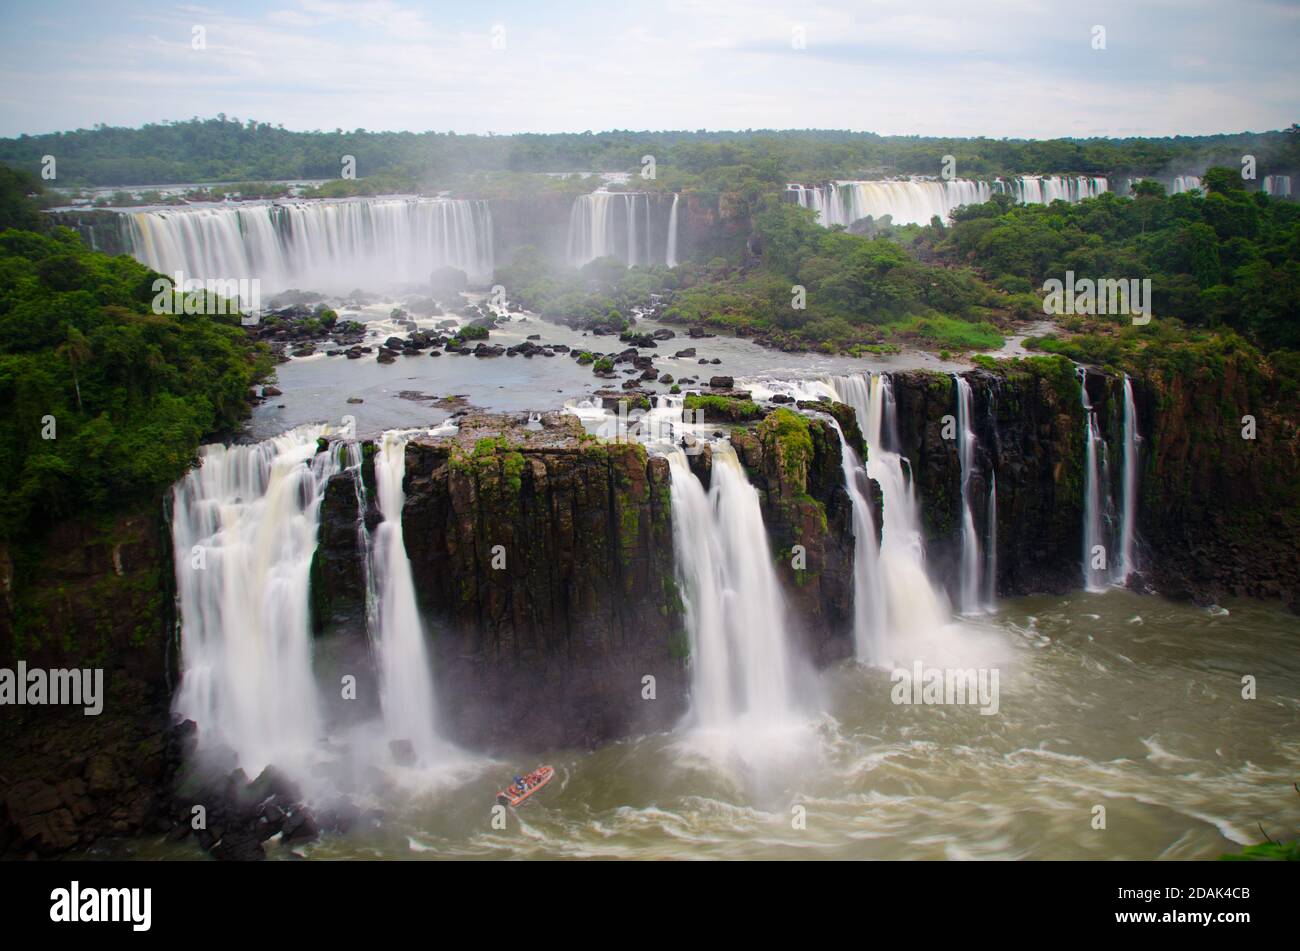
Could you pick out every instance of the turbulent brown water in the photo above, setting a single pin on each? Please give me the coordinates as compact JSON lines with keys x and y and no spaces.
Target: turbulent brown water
{"x":1116,"y":700}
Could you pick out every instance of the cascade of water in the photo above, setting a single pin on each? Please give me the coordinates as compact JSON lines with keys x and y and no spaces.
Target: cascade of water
{"x":913,"y":608}
{"x":1279,"y":186}
{"x":991,"y":572}
{"x":869,"y":621}
{"x":917,"y":201}
{"x":906,"y":202}
{"x":741,"y":664}
{"x":1126,"y":563}
{"x":244,"y":526}
{"x":595,"y":221}
{"x":670,"y":257}
{"x":590,"y":228}
{"x":633,"y":205}
{"x":326,"y":245}
{"x":1094,"y":539}
{"x":807,"y":197}
{"x":406,"y":682}
{"x":969,"y":592}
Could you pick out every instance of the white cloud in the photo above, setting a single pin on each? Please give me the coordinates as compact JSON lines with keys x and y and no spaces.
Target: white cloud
{"x":1010,"y":67}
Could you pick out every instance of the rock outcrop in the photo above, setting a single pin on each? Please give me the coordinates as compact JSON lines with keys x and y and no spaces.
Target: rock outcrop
{"x":1029,"y":429}
{"x":1217,"y":514}
{"x":543,"y":561}
{"x":795,"y":463}
{"x":91,"y":594}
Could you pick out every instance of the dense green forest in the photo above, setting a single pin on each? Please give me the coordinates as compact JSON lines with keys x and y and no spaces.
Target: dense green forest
{"x":1228,"y":258}
{"x":106,"y":401}
{"x":226,"y":149}
{"x":1223,"y":265}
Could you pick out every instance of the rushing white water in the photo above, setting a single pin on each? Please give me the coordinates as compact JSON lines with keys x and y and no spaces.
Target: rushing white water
{"x":1045,"y":189}
{"x":913,"y":201}
{"x":1103,"y":533}
{"x":1279,"y":186}
{"x":918,"y":200}
{"x":244,"y":527}
{"x":916,"y":614}
{"x":908,"y":617}
{"x":969,"y":591}
{"x":913,"y":604}
{"x":671,"y":256}
{"x":618,"y":225}
{"x":807,"y":196}
{"x":869,"y":621}
{"x":1126,"y":563}
{"x":1095,"y":495}
{"x":1184,"y":183}
{"x":991,"y":572}
{"x":323,"y":245}
{"x":742,"y":669}
{"x":406,"y":682}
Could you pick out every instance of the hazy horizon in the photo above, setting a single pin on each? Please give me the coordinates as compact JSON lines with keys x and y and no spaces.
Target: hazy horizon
{"x":1026,"y":70}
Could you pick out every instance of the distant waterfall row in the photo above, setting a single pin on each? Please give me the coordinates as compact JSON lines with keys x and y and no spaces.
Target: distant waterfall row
{"x":1279,"y":186}
{"x":623,"y":225}
{"x":321,"y":245}
{"x":917,"y":201}
{"x":245,"y":525}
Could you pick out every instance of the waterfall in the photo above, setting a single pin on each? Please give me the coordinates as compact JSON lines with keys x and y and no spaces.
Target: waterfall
{"x":590,"y":230}
{"x":670,"y":257}
{"x":632,"y":206}
{"x":244,"y":529}
{"x":596,"y":220}
{"x":1045,"y":189}
{"x":991,"y":572}
{"x":868,"y":597}
{"x":1093,"y":488}
{"x":1118,"y":541}
{"x":1279,"y":186}
{"x":406,"y":682}
{"x":917,"y":200}
{"x":969,"y":591}
{"x":742,"y":669}
{"x":806,"y":197}
{"x":1126,"y":563}
{"x":899,"y":616}
{"x":913,"y":609}
{"x":321,"y":245}
{"x":1183,"y":183}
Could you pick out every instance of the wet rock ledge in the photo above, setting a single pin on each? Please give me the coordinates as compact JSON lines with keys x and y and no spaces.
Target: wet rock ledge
{"x":543,"y":563}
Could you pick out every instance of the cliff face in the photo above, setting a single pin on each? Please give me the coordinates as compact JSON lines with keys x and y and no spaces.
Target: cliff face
{"x":1217,"y":514}
{"x":711,"y":228}
{"x":92,"y":594}
{"x":1029,"y":429}
{"x":540,"y":220}
{"x":1220,"y":513}
{"x":543,"y":561}
{"x":101,"y":229}
{"x":795,"y":464}
{"x":338,"y":591}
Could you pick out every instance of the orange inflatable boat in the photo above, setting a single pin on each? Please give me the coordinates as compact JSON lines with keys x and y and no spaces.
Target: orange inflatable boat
{"x":525,"y":786}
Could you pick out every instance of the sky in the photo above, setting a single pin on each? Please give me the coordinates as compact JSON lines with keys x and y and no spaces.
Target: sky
{"x":1013,"y":68}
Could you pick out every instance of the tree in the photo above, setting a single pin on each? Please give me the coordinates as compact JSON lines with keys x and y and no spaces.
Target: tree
{"x":1219,"y":179}
{"x":76,"y":350}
